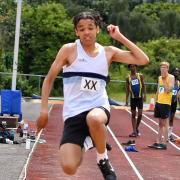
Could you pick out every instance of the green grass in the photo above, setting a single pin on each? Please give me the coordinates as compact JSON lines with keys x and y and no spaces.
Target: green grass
{"x":117,"y":91}
{"x":121,"y":97}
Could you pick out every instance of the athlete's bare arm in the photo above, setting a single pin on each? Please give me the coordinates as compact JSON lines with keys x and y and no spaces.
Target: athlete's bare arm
{"x":169,"y":87}
{"x":134,"y":56}
{"x":157,"y":92}
{"x":63,"y":58}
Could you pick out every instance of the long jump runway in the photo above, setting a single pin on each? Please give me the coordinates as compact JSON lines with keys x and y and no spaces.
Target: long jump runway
{"x":147,"y":164}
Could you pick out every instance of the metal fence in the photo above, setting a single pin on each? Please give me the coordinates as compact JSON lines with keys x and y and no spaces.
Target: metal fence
{"x":115,"y":88}
{"x":31,"y":80}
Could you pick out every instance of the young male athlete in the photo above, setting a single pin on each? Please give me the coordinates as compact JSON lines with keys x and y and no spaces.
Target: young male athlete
{"x":136,"y":88}
{"x":85,"y":65}
{"x":174,"y":101}
{"x":163,"y":104}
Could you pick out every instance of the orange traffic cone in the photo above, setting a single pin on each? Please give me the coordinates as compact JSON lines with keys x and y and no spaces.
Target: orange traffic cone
{"x":152,"y":104}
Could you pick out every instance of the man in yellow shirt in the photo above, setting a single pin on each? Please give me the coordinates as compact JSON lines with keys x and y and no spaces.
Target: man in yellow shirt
{"x":163,"y":104}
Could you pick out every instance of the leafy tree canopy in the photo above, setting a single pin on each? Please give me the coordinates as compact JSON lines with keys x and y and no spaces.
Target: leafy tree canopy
{"x":162,"y":49}
{"x":153,"y":10}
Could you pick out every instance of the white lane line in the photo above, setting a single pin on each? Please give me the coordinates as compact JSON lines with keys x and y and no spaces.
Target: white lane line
{"x":157,"y":124}
{"x":145,"y":123}
{"x":125,"y":154}
{"x":23,"y":174}
{"x":150,"y":119}
{"x":173,"y":144}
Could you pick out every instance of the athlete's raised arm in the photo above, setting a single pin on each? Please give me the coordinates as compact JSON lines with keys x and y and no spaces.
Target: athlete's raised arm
{"x":134,"y":55}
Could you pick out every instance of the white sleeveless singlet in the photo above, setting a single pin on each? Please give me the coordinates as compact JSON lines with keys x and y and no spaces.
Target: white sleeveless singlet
{"x":84,"y":82}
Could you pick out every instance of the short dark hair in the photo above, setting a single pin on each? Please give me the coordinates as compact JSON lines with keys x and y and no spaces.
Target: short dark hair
{"x":88,"y":15}
{"x":176,"y":69}
{"x":129,"y":65}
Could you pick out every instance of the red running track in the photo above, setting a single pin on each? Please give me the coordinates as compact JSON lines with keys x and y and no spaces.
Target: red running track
{"x":145,"y":164}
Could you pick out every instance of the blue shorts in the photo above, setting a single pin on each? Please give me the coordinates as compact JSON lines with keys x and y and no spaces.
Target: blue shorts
{"x":76,"y":129}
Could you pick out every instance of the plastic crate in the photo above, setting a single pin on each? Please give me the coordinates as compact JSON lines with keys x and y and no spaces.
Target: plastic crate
{"x":11,"y":102}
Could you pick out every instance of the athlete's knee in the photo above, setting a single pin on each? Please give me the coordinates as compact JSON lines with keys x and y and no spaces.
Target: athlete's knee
{"x":133,"y":115}
{"x":94,"y":123}
{"x":162,"y":123}
{"x":94,"y":118}
{"x":69,"y":169}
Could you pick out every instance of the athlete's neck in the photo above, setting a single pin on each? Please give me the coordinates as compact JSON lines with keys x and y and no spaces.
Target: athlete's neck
{"x":90,"y":49}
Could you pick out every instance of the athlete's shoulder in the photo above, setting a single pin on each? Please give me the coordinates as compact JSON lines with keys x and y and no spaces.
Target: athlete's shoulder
{"x":171,"y":76}
{"x":69,"y":45}
{"x":141,"y":75}
{"x":178,"y":82}
{"x":111,"y":48}
{"x":128,"y":76}
{"x":159,"y":78}
{"x":107,"y":48}
{"x":67,"y":49}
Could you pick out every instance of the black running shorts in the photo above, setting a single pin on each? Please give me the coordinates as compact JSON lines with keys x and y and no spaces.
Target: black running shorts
{"x":173,"y":107}
{"x":161,"y":111}
{"x":136,"y":103}
{"x":76,"y":129}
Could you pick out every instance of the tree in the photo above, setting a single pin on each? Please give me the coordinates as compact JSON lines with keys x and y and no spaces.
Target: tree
{"x":162,"y":49}
{"x":169,"y":23}
{"x":45,"y":29}
{"x":7,"y":31}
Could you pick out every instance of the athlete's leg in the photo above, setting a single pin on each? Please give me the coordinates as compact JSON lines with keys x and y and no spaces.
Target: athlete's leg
{"x":160,"y":131}
{"x":170,"y":129}
{"x":163,"y":131}
{"x":70,"y":157}
{"x":171,"y":118}
{"x":134,"y":105}
{"x":133,"y":119}
{"x":96,"y":120}
{"x":166,"y":127}
{"x":172,"y":113}
{"x":139,"y":118}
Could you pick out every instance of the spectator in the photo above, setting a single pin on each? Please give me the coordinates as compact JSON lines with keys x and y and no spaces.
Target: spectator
{"x":174,"y":104}
{"x":136,"y":88}
{"x":163,"y":105}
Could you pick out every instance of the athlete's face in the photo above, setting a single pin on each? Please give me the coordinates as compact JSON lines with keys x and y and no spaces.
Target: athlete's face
{"x":176,"y":72}
{"x":132,"y":68}
{"x":87,"y":30}
{"x":164,"y":70}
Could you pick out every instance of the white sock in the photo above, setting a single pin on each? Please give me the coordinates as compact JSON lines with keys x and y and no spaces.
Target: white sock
{"x":170,"y":131}
{"x":102,"y":156}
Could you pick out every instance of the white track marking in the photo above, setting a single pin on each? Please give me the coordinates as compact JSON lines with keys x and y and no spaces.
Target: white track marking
{"x":157,"y":124}
{"x":25,"y":167}
{"x":173,"y":144}
{"x":125,"y":154}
